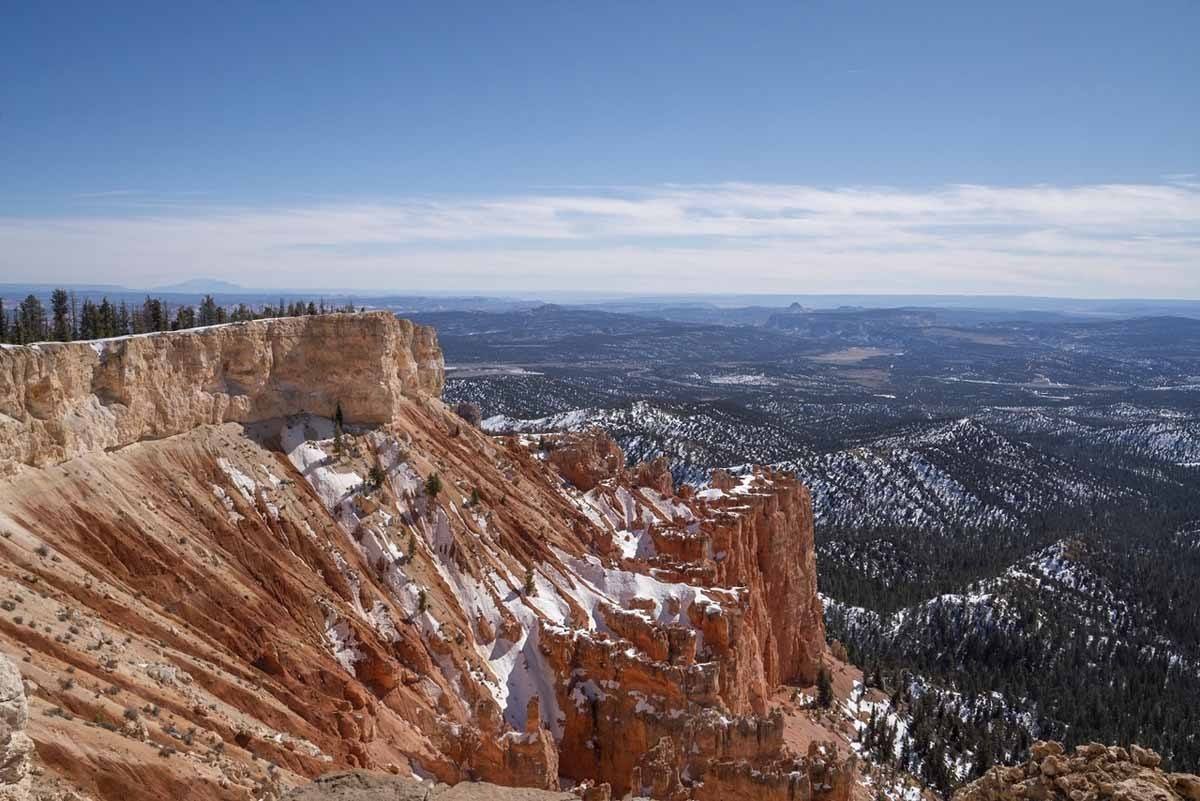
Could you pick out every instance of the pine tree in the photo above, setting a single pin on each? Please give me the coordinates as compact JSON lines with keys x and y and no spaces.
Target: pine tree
{"x":124,"y":324}
{"x":337,"y":428}
{"x":208,"y":311}
{"x":88,"y":320}
{"x":376,"y":476}
{"x":60,"y":307}
{"x":155,"y":316}
{"x":106,"y":319}
{"x":185,"y":317}
{"x":887,"y":741}
{"x":3,"y":322}
{"x":31,"y":317}
{"x":824,"y":688}
{"x":983,"y":756}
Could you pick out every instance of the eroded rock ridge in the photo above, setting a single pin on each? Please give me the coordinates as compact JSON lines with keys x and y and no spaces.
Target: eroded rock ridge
{"x":213,"y":592}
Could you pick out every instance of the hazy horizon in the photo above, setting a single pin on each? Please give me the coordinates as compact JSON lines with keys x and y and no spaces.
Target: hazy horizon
{"x":192,"y":290}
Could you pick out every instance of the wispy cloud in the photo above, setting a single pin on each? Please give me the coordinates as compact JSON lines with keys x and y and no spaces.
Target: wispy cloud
{"x":1105,"y":239}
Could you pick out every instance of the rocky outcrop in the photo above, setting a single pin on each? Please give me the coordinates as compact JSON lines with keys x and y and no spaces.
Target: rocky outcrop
{"x":1091,"y":772}
{"x":672,"y":701}
{"x":656,"y":475}
{"x":16,"y":749}
{"x":586,"y":459}
{"x":61,"y":400}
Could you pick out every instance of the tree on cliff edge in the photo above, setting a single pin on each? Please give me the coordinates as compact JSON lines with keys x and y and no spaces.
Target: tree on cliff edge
{"x":824,"y":688}
{"x":60,"y":306}
{"x":31,"y":319}
{"x":338,"y":420}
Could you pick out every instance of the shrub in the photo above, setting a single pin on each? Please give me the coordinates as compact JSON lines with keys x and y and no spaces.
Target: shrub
{"x":376,"y":476}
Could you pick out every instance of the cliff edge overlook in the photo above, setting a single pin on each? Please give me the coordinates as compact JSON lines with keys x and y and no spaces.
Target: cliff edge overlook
{"x":59,"y":400}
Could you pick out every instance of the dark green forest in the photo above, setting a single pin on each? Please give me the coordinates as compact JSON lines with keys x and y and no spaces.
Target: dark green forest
{"x":1099,"y":641}
{"x":67,"y":318}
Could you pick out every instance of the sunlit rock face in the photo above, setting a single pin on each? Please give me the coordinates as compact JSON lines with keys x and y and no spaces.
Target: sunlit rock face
{"x":223,"y":594}
{"x":61,"y":400}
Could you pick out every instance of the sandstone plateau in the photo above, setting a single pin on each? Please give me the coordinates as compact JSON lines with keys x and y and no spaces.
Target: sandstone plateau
{"x":62,"y":400}
{"x":212,"y":592}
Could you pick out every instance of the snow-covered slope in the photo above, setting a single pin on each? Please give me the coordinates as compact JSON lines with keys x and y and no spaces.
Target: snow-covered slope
{"x":695,"y":439}
{"x":935,"y":476}
{"x":956,"y":474}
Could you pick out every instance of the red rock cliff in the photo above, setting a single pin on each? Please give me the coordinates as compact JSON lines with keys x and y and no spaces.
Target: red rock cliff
{"x":224,"y":610}
{"x":694,"y":666}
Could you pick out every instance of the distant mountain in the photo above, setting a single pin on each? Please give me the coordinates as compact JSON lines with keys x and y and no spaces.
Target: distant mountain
{"x":202,"y":285}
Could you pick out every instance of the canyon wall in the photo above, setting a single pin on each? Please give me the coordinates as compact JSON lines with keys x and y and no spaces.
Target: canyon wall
{"x":210,"y":595}
{"x":61,"y":400}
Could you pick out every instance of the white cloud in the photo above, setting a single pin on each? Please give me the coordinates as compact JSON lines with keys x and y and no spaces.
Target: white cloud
{"x":1097,"y":240}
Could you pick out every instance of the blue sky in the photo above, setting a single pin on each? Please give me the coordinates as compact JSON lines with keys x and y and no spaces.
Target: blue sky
{"x":1043,"y":148}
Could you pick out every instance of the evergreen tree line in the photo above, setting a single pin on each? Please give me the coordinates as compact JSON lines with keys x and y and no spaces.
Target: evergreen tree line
{"x":68,"y":319}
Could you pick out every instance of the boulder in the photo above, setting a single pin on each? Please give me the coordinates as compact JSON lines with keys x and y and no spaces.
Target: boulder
{"x":1144,"y":756}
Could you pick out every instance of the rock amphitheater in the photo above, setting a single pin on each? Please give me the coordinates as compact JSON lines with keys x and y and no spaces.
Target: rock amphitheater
{"x":212,"y":590}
